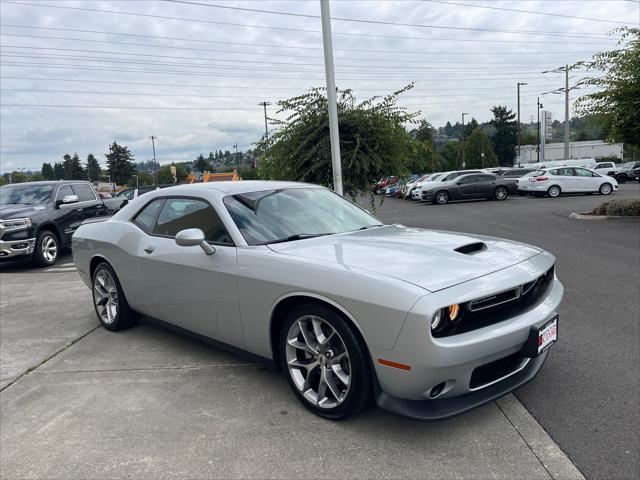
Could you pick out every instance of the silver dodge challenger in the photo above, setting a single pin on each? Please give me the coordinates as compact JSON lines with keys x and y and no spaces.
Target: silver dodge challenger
{"x":428,"y":323}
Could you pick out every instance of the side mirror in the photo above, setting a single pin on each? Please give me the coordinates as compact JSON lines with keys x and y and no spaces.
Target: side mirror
{"x":67,"y":199}
{"x":192,"y":237}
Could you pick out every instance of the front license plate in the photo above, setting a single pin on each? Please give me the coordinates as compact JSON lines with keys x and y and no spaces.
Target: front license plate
{"x":541,"y":338}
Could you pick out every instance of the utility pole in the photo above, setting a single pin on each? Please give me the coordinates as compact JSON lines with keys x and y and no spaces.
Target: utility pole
{"x":519,"y":84}
{"x":464,"y":163}
{"x":332,"y":100}
{"x":566,"y":112}
{"x":538,"y":146}
{"x":153,"y":144}
{"x":235,"y":145}
{"x":266,"y":129}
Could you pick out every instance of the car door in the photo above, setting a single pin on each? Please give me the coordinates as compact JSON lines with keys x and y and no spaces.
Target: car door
{"x":69,"y":214}
{"x":89,"y":204}
{"x":586,"y":180}
{"x":183,"y":285}
{"x":563,"y":177}
{"x":468,"y":186}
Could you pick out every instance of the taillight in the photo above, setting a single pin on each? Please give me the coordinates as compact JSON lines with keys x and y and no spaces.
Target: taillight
{"x":541,"y":179}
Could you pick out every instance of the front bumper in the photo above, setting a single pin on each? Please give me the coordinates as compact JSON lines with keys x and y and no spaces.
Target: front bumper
{"x":16,"y":248}
{"x":455,"y":360}
{"x":428,"y":195}
{"x":449,"y":407}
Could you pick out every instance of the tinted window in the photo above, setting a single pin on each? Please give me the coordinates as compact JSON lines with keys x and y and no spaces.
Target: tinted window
{"x":63,"y":191}
{"x":84,"y":192}
{"x":469,"y":179}
{"x":565,"y":172}
{"x":182,"y":213}
{"x":485,"y":178}
{"x":146,"y":219}
{"x":583,"y":172}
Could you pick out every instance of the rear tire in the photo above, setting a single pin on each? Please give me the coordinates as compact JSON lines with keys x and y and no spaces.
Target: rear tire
{"x":109,"y":302}
{"x":554,"y":191}
{"x":622,"y":178}
{"x":322,"y":353}
{"x":47,"y":249}
{"x":500,"y":193}
{"x":606,"y":189}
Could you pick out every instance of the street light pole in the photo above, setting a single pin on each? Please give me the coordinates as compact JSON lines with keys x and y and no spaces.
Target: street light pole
{"x":235,"y":145}
{"x":519,"y":84}
{"x":566,"y":113}
{"x":332,"y":100}
{"x":538,"y":146}
{"x":153,"y":144}
{"x":464,"y":163}
{"x":266,"y":129}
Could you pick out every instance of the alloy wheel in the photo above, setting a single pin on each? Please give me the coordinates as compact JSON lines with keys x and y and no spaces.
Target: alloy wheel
{"x":105,"y":296}
{"x":501,"y":193}
{"x":442,"y":198}
{"x":318,"y":361}
{"x":49,"y":248}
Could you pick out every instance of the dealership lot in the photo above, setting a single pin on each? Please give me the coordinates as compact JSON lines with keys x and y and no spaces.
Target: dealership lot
{"x":81,"y":402}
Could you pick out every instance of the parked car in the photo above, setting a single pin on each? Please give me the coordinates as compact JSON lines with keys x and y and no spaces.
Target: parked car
{"x":556,"y":181}
{"x":627,"y":172}
{"x":380,"y":186}
{"x":467,"y":187}
{"x":605,"y":168}
{"x":512,"y":176}
{"x":131,"y":193}
{"x":305,"y":279}
{"x":104,"y":195}
{"x":401,"y":192}
{"x":411,"y":184}
{"x":448,"y":176}
{"x":37,"y":219}
{"x":416,"y":190}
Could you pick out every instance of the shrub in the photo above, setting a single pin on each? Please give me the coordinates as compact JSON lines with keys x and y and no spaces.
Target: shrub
{"x":623,"y":207}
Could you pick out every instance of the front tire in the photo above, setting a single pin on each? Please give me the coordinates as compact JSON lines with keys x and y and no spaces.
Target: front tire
{"x":326,"y":363}
{"x":606,"y":189}
{"x":622,"y":178}
{"x":47,"y":249}
{"x":109,"y":302}
{"x":501,"y":193}
{"x":441,"y":198}
{"x":554,"y":191}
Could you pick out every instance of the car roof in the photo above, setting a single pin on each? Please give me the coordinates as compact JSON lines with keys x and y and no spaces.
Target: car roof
{"x":244,"y":186}
{"x":49,"y":182}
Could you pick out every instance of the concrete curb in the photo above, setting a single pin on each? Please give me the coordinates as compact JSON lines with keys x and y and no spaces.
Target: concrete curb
{"x":588,"y":216}
{"x":554,"y":460}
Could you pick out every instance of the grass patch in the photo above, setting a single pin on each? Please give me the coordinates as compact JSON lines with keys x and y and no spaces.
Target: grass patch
{"x":621,"y":207}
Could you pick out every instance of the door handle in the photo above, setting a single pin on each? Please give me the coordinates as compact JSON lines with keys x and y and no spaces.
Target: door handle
{"x":149,"y":249}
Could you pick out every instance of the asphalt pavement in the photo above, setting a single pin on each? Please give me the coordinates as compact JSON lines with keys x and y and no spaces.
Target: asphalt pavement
{"x":586,"y":396}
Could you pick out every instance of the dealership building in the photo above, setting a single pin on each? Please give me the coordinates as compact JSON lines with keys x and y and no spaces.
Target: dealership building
{"x":596,"y":149}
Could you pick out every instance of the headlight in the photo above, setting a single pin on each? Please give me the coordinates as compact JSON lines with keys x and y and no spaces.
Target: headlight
{"x":436,"y":321}
{"x":15,"y":223}
{"x":450,"y":315}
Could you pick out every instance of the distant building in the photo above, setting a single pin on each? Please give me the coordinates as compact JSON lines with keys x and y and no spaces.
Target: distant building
{"x":597,"y":149}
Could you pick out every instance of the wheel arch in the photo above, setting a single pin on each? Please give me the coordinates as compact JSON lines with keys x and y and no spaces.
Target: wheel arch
{"x":292,"y":300}
{"x":51,"y":227}
{"x":95,"y":261}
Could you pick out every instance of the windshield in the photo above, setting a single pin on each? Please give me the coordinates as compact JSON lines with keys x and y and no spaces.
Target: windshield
{"x":25,"y":194}
{"x":272,"y":216}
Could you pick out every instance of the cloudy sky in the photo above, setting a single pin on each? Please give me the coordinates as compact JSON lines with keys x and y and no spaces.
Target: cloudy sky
{"x":76,"y":75}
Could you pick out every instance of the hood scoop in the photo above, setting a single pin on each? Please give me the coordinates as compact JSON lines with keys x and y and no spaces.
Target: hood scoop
{"x":471,"y":248}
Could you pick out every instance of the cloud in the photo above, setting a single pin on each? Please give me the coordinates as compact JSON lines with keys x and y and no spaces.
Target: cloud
{"x":211,"y":85}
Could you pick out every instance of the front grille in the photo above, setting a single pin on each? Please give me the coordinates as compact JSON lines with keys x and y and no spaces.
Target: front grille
{"x":490,"y":372}
{"x":500,"y":306}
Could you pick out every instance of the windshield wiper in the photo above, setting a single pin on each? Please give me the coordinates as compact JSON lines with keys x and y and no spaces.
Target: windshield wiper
{"x":297,"y":236}
{"x":376,"y":225}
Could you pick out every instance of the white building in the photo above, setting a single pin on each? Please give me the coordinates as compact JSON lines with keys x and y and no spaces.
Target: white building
{"x":597,"y":149}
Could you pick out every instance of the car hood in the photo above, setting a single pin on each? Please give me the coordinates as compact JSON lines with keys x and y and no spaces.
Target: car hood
{"x":430,"y":259}
{"x":19,"y":210}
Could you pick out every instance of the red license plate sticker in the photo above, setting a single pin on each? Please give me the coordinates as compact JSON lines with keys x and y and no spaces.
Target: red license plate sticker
{"x":547,"y":335}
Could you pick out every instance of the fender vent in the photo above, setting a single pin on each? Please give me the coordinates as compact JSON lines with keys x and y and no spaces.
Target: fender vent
{"x":471,"y":248}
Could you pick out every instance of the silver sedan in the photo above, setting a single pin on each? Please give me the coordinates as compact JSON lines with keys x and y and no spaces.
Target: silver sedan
{"x":428,"y":323}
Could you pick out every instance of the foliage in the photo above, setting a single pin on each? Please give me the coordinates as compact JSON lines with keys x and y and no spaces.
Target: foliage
{"x":617,"y":101}
{"x":164,"y":174}
{"x":72,"y":167}
{"x":47,"y":171}
{"x":148,"y":166}
{"x":475,"y":144}
{"x":505,"y":137}
{"x":627,"y":207}
{"x":92,"y":168}
{"x":201,"y":164}
{"x":58,"y":171}
{"x":451,"y":154}
{"x":373,"y":140}
{"x":120,"y":165}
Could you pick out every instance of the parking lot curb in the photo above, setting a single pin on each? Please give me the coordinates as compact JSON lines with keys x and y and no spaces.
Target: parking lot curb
{"x":552,"y":458}
{"x":588,"y":216}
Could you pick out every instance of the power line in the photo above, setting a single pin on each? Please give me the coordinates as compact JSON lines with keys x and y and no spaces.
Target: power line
{"x":380,"y":22}
{"x":524,"y":11}
{"x":376,"y":22}
{"x":389,"y":52}
{"x":122,"y":107}
{"x":159,"y":37}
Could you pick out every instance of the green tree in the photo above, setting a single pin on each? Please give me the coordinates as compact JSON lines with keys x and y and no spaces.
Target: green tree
{"x":120,"y":163}
{"x":476,"y":144}
{"x":164,"y":174}
{"x":58,"y":171}
{"x":72,"y":167}
{"x":617,"y":101}
{"x":92,"y":168}
{"x":506,"y":134}
{"x":373,"y":140}
{"x":47,"y":171}
{"x":201,"y":164}
{"x":451,"y":154}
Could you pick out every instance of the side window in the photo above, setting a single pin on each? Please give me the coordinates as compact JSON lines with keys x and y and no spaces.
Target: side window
{"x":486,"y":178}
{"x":469,"y":179}
{"x":144,"y":190}
{"x":146,"y":218}
{"x":583,"y":172}
{"x":84,"y":192}
{"x":181,"y":213}
{"x":565,"y":172}
{"x":63,"y":191}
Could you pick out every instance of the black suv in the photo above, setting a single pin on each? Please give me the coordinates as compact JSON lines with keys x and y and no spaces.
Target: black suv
{"x":37,"y":219}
